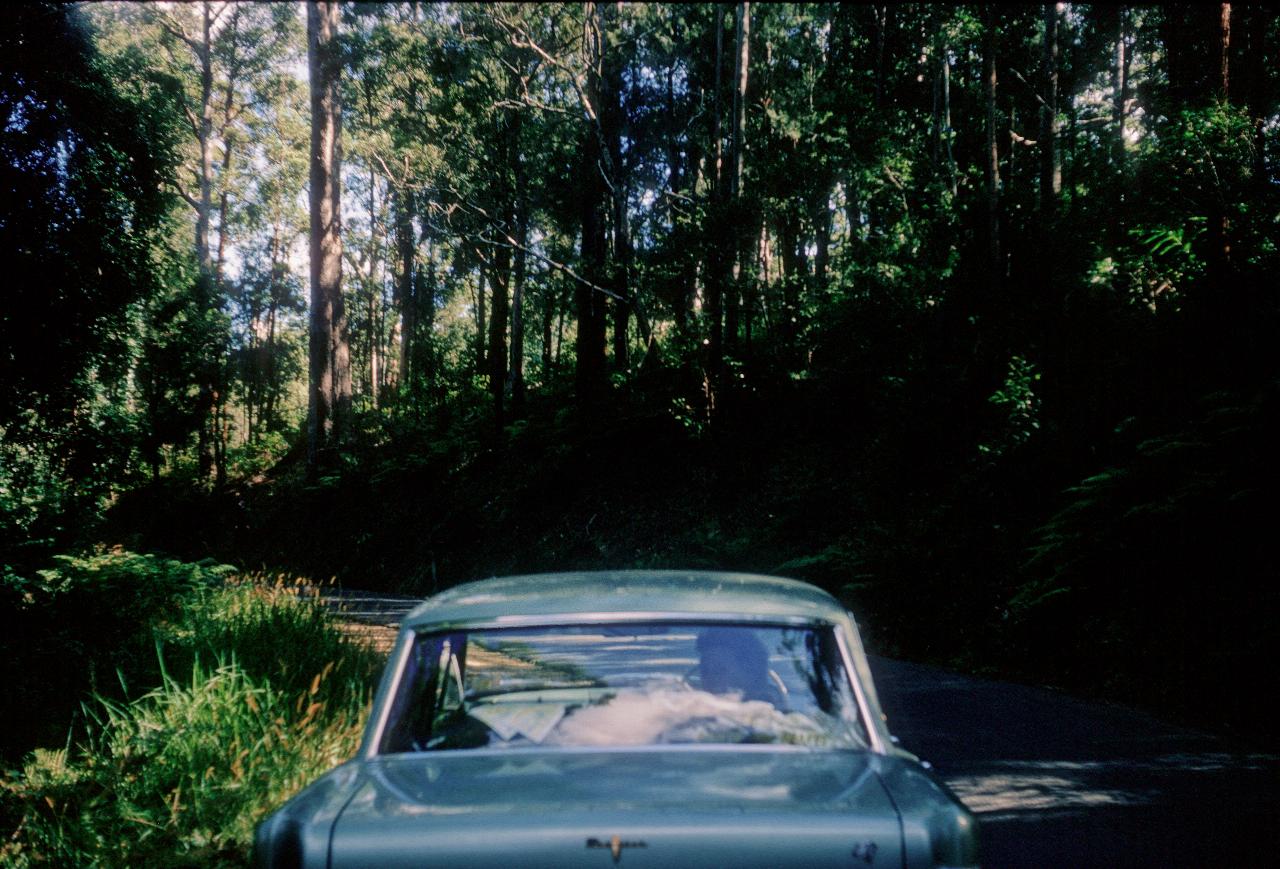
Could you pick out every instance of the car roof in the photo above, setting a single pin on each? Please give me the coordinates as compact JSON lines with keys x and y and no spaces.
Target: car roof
{"x":626,"y":592}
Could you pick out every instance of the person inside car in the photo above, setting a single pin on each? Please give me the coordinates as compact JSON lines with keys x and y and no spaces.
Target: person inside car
{"x":733,"y":660}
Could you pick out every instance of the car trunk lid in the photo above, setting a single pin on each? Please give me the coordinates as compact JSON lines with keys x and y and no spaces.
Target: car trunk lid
{"x":739,"y":807}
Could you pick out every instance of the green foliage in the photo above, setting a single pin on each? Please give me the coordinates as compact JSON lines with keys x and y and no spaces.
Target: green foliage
{"x":82,"y":160}
{"x":81,"y":167}
{"x":1019,"y":407}
{"x":901,"y":401}
{"x":37,"y":505}
{"x":1162,"y":557}
{"x":277,"y":632}
{"x":71,"y":627}
{"x":258,"y":693}
{"x":252,"y":458}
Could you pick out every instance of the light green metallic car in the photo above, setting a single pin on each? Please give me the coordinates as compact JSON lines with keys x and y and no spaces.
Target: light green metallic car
{"x":638,"y":718}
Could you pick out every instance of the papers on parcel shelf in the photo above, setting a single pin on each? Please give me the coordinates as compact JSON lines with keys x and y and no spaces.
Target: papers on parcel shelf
{"x":534,"y":720}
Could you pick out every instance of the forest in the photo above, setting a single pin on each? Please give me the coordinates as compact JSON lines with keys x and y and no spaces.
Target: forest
{"x":960,"y":312}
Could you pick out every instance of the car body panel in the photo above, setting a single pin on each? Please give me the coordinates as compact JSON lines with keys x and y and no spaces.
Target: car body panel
{"x":629,"y":592}
{"x":654,"y":805}
{"x":298,"y":834}
{"x":544,"y":808}
{"x":935,"y":831}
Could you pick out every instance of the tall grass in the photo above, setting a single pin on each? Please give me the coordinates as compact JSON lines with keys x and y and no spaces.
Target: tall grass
{"x":71,"y":628}
{"x":259,"y":693}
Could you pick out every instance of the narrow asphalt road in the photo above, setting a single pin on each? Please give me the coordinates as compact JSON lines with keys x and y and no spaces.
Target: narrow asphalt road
{"x":1057,"y":781}
{"x":1060,"y":781}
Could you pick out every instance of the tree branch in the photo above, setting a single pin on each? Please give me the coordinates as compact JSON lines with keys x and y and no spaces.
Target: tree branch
{"x":530,"y":103}
{"x":214,"y":20}
{"x":190,"y":200}
{"x":520,"y":38}
{"x":175,"y":29}
{"x":191,"y":119}
{"x":1030,"y":89}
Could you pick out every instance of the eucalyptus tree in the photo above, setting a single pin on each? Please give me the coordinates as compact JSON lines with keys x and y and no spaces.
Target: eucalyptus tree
{"x":400,"y":119}
{"x":265,"y":223}
{"x":329,"y":389}
{"x":215,"y":59}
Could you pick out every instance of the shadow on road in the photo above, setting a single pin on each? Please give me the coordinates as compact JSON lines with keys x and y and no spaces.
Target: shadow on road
{"x":1058,"y":781}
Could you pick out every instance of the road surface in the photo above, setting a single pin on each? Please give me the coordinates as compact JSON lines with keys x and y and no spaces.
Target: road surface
{"x":1057,"y":781}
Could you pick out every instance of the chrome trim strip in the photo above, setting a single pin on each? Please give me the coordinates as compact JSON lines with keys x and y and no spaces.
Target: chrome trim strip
{"x":647,"y":748}
{"x":553,"y":620}
{"x":873,"y":731}
{"x":383,"y":709}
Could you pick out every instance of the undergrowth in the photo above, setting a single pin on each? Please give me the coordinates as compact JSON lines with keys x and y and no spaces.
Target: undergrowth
{"x":258,"y":693}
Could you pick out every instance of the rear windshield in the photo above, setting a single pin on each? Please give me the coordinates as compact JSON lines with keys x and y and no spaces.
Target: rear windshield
{"x":624,"y":685}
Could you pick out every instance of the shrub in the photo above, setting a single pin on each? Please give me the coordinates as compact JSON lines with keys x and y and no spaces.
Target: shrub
{"x":277,"y":631}
{"x":271,"y":695}
{"x":73,"y":627}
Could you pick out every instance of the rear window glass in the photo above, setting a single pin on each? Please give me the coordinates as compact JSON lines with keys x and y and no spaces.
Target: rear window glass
{"x":624,"y":685}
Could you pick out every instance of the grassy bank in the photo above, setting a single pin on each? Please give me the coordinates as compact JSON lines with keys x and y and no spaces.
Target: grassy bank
{"x":250,"y":691}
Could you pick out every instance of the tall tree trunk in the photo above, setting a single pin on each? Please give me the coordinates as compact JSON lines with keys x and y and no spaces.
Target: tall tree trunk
{"x":737,"y":228}
{"x":508,"y":136}
{"x":224,"y":133}
{"x":991,"y":165}
{"x":515,"y":377}
{"x":206,"y":290}
{"x":821,"y":217}
{"x":422,"y":362}
{"x":1256,"y":60}
{"x":589,"y":302}
{"x":621,"y":284}
{"x":1050,"y":165}
{"x":757,"y":278}
{"x":793,"y":276}
{"x":330,"y":369}
{"x":1219,"y":264}
{"x":716,"y":152}
{"x":1120,"y":89}
{"x":223,"y":202}
{"x":221,"y":433}
{"x":403,"y":205}
{"x":560,"y":331}
{"x":880,"y":13}
{"x":685,"y":283}
{"x":204,"y":138}
{"x":952,"y":176}
{"x":943,"y":158}
{"x":500,"y":311}
{"x":482,"y":312}
{"x":266,"y":415}
{"x":1224,"y":51}
{"x":741,"y":66}
{"x":221,"y":386}
{"x":387,"y":338}
{"x":549,"y":307}
{"x":373,"y":330}
{"x":765,"y":254}
{"x":256,"y":363}
{"x":612,"y":117}
{"x":715,"y":264}
{"x":935,"y":130}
